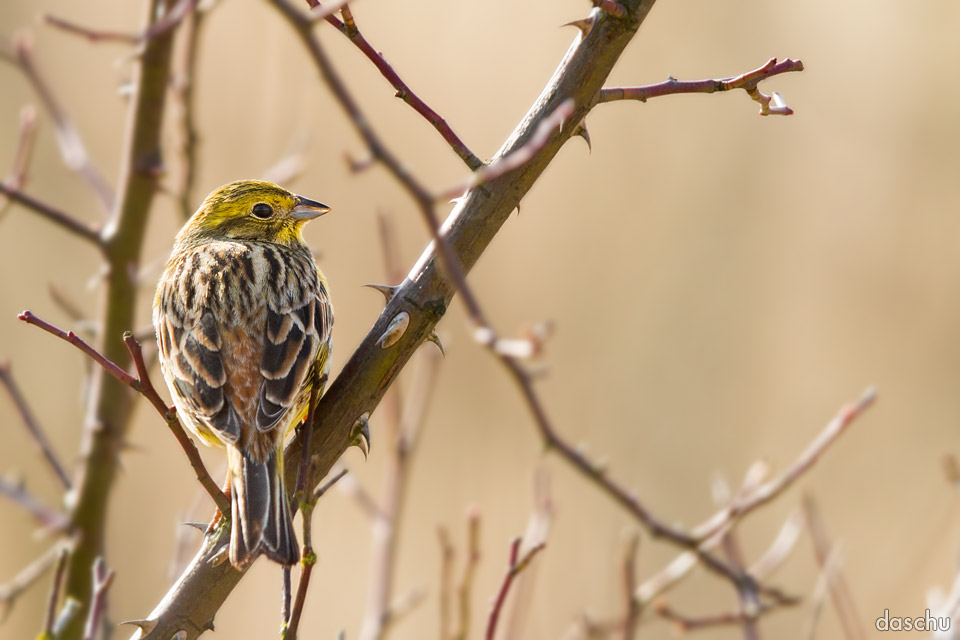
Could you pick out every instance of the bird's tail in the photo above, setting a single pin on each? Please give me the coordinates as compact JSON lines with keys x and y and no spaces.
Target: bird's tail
{"x":260,"y":514}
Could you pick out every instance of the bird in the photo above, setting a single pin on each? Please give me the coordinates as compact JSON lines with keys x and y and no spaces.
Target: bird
{"x":243,"y":320}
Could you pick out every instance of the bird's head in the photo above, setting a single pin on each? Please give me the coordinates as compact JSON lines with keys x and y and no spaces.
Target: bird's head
{"x":251,"y":210}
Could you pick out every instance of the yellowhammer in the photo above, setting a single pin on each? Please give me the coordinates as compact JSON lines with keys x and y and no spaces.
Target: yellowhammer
{"x":243,"y":323}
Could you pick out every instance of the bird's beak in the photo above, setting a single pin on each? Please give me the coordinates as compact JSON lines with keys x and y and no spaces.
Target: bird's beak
{"x":307,"y":209}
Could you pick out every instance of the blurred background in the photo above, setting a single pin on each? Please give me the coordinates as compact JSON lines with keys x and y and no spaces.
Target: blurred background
{"x":720,"y":284}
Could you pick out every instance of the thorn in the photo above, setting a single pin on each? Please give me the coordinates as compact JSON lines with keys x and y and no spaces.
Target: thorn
{"x":208,"y":626}
{"x":395,"y":330}
{"x":435,"y":339}
{"x":581,"y":130}
{"x":199,"y":526}
{"x":585,"y":25}
{"x":146,"y":626}
{"x":387,"y":290}
{"x":360,"y":434}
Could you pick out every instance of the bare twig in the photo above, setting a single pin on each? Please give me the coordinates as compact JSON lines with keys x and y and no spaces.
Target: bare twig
{"x":326,"y":486}
{"x":19,"y":168}
{"x":47,"y":517}
{"x":447,"y":556}
{"x":514,"y":568}
{"x":465,"y":587}
{"x":143,"y":385}
{"x":30,"y":422}
{"x":820,"y":591}
{"x":348,"y":27}
{"x":162,"y":26}
{"x":186,"y":85}
{"x":784,"y":543}
{"x":102,"y":579}
{"x":303,"y":493}
{"x":726,"y":619}
{"x":12,"y":590}
{"x":770,"y":490}
{"x":631,"y":615}
{"x":72,"y":149}
{"x":54,"y":215}
{"x":747,"y":81}
{"x":838,"y":589}
{"x":55,"y":587}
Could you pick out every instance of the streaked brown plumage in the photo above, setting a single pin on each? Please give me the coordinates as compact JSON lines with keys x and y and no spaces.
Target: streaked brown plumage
{"x":243,"y":323}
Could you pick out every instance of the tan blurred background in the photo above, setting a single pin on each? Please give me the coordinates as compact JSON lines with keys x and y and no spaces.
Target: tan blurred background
{"x":720,"y":282}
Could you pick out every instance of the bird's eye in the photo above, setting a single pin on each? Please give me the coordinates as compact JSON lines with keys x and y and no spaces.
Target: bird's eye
{"x":262,"y":210}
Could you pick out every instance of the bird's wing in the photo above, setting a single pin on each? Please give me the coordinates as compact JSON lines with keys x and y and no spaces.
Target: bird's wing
{"x":191,"y":348}
{"x":295,"y":337}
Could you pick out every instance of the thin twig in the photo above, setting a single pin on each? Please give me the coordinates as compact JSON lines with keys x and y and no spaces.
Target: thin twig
{"x":47,"y":517}
{"x":469,"y":571}
{"x":725,"y":619}
{"x":304,"y":485}
{"x":447,"y":556}
{"x":514,"y":568}
{"x":747,"y":81}
{"x":326,"y":486}
{"x":348,"y":27}
{"x":631,"y":615}
{"x":102,"y":579}
{"x":143,"y":385}
{"x":12,"y":590}
{"x":55,"y":587}
{"x":54,"y":215}
{"x":839,"y":590}
{"x":19,"y":168}
{"x":72,"y":149}
{"x":30,"y":422}
{"x":163,"y":25}
{"x":770,"y":490}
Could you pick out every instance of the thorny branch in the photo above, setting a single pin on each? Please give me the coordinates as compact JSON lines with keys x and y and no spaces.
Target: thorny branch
{"x":749,"y":82}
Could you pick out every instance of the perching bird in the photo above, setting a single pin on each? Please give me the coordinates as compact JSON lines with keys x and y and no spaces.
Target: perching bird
{"x":243,"y":323}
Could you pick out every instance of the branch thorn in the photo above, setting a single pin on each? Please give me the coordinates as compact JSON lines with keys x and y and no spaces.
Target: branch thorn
{"x":360,"y":434}
{"x":387,"y":290}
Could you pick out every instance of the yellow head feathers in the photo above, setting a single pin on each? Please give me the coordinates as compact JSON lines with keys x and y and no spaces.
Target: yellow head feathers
{"x":251,"y":210}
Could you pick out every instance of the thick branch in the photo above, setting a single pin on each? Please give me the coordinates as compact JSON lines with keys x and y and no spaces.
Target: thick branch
{"x":192,"y":602}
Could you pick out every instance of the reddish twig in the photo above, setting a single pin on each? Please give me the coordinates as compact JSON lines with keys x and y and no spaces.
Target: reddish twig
{"x":516,"y":566}
{"x":143,"y":385}
{"x":72,"y":149}
{"x":348,"y":27}
{"x":747,"y":81}
{"x":53,"y":214}
{"x":102,"y":579}
{"x":30,"y":422}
